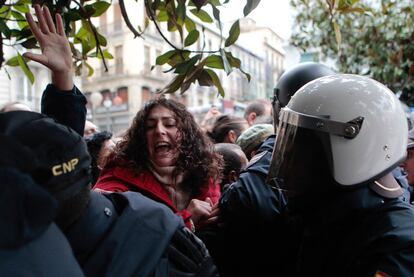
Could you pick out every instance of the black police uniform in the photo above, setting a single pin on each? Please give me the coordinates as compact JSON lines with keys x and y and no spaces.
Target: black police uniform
{"x":248,"y":241}
{"x":358,"y":233}
{"x":30,"y":243}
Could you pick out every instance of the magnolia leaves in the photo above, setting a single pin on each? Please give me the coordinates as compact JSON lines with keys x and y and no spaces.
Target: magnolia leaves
{"x":190,"y":69}
{"x":189,"y":58}
{"x":192,"y":65}
{"x":15,"y":29}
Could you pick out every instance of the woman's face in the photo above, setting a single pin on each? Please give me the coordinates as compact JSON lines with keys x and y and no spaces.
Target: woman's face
{"x":162,"y":136}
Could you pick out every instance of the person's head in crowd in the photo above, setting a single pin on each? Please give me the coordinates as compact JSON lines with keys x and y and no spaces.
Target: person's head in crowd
{"x":60,"y":163}
{"x":258,"y":111}
{"x":90,"y":129}
{"x":165,"y":139}
{"x":336,"y":134}
{"x":251,"y":139}
{"x":100,"y":146}
{"x":210,"y":117}
{"x":227,"y":128}
{"x":408,"y":164}
{"x":234,"y":162}
{"x":14,"y":106}
{"x":292,"y":80}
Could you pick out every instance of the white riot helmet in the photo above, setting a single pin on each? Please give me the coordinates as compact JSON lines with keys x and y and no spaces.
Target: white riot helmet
{"x":349,"y":128}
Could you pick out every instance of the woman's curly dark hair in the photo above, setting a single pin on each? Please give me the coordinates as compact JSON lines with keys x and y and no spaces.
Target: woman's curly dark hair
{"x":197,"y":157}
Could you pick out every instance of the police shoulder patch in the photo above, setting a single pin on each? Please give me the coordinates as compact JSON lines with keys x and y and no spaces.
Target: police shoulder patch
{"x":255,"y":159}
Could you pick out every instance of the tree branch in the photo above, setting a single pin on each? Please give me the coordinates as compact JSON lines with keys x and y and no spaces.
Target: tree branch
{"x":1,"y":51}
{"x":127,"y":21}
{"x":95,"y":34}
{"x":153,"y":19}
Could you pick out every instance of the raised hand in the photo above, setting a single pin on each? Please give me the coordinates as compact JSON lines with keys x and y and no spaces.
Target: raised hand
{"x":56,"y":52}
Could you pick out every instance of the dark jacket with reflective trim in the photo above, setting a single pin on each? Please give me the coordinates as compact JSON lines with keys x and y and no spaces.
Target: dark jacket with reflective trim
{"x":358,"y":233}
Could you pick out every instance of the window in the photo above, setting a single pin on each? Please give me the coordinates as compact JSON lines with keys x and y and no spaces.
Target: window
{"x":103,"y":24}
{"x":25,"y":89}
{"x":122,"y":96}
{"x":117,"y":17}
{"x":145,"y":94}
{"x":119,"y":60}
{"x":159,"y":67}
{"x":147,"y":57}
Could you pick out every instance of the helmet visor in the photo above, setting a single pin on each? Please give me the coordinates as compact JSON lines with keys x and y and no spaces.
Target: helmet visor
{"x":298,"y":158}
{"x":302,"y":155}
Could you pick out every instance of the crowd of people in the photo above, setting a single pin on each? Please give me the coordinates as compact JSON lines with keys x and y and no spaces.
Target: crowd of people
{"x":316,"y":183}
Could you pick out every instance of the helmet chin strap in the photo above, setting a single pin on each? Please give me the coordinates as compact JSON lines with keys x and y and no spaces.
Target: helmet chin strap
{"x":387,"y":187}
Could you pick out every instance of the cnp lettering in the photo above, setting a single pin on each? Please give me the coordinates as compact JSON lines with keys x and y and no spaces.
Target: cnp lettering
{"x":65,"y":167}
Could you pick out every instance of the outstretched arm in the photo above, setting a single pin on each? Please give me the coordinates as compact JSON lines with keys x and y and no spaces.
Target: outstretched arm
{"x":61,"y":100}
{"x":56,"y":53}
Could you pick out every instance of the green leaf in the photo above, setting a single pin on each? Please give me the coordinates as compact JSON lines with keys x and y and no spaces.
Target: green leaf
{"x":216,"y":13}
{"x":23,"y":33}
{"x":25,"y":68}
{"x":233,"y":34}
{"x":162,"y":16}
{"x":214,"y":61}
{"x":249,"y":78}
{"x":234,"y":62}
{"x":29,"y":43}
{"x":12,"y":61}
{"x":338,"y":35}
{"x":227,"y":66}
{"x":165,"y":57}
{"x":187,"y":65}
{"x":250,"y":6}
{"x":100,"y":7}
{"x":22,"y":8}
{"x":5,"y":29}
{"x":4,"y":9}
{"x":181,"y":13}
{"x":21,"y":20}
{"x":216,"y":81}
{"x":215,"y":2}
{"x":178,"y":58}
{"x":90,"y":69}
{"x":102,"y":40}
{"x":204,"y":79}
{"x":202,"y":15}
{"x":191,"y":38}
{"x":174,"y":85}
{"x":72,"y":15}
{"x":189,"y":24}
{"x":106,"y":55}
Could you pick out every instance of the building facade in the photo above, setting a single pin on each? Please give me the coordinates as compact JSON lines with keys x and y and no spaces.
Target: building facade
{"x":130,"y":81}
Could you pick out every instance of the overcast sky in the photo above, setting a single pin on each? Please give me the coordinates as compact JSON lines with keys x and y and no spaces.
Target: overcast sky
{"x":276,"y":14}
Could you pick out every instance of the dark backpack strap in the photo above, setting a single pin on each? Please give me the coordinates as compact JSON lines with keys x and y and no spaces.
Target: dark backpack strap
{"x":188,"y":256}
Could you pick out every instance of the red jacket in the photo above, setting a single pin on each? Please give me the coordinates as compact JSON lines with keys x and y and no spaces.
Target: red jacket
{"x":119,"y":179}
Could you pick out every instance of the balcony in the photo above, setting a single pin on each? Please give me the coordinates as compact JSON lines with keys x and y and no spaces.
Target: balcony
{"x":112,"y":30}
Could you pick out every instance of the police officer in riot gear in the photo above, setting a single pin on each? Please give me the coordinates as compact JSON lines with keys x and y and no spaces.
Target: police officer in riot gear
{"x":338,"y":139}
{"x":253,"y":211}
